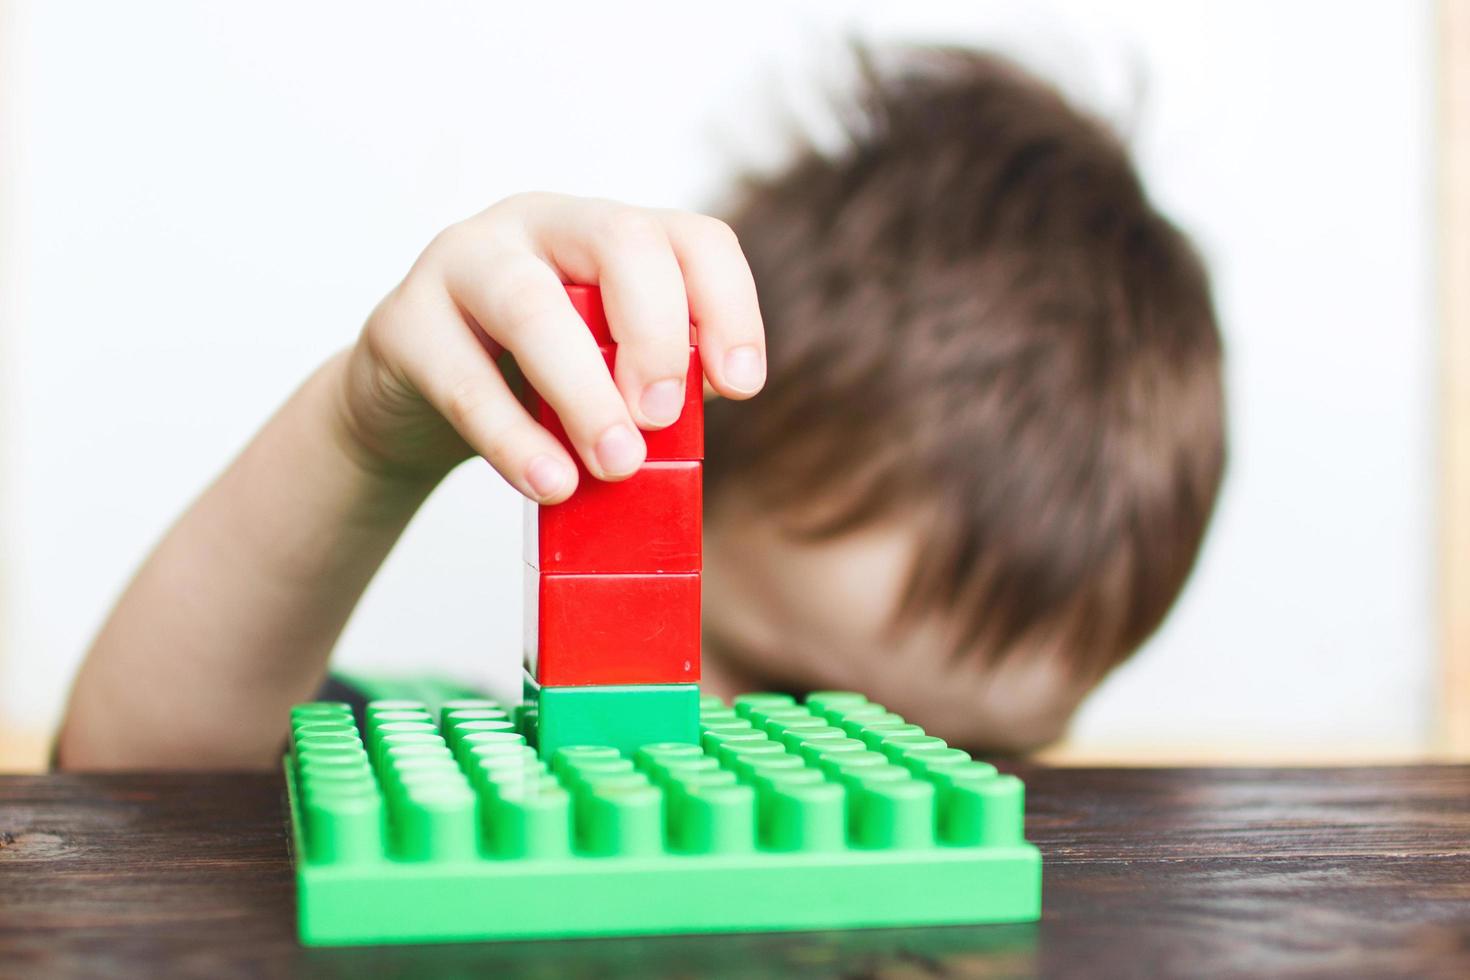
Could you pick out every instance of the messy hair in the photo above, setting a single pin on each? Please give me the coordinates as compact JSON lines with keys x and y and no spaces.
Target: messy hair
{"x":979,"y":321}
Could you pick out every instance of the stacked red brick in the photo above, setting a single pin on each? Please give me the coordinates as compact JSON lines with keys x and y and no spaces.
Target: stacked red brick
{"x":612,"y":586}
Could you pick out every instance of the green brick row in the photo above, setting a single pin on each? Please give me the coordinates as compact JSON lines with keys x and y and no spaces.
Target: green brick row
{"x":447,"y":825}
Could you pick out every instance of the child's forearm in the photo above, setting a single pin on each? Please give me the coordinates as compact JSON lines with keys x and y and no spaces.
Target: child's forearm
{"x":232,"y":617}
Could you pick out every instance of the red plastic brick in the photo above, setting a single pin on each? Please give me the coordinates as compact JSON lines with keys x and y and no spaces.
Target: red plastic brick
{"x":650,"y":522}
{"x":587,"y":301}
{"x":611,"y":629}
{"x":683,"y":440}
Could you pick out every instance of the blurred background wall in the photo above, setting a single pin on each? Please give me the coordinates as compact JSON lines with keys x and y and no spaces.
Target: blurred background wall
{"x":201,"y":202}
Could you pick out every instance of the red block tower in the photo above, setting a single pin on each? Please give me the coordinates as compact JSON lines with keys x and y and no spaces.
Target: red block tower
{"x":612,"y":585}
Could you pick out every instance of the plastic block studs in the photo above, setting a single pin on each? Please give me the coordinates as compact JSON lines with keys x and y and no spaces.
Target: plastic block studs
{"x":441,"y":824}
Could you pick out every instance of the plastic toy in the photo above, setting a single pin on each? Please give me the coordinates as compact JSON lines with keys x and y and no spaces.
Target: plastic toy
{"x":835,"y":814}
{"x":615,"y":800}
{"x":612,"y":584}
{"x":612,"y":629}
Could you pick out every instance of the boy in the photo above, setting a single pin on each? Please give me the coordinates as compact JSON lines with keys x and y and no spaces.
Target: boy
{"x":989,"y":444}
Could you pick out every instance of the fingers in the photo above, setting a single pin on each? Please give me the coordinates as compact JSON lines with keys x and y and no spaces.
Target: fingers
{"x":521,"y":304}
{"x":627,"y":252}
{"x":453,"y":372}
{"x":648,"y":314}
{"x":722,"y":301}
{"x":657,"y":270}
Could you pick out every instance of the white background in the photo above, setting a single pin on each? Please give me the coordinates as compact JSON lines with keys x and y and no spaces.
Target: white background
{"x":200,"y":203}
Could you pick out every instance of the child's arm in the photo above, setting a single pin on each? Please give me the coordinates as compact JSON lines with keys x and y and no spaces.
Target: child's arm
{"x":233,"y":616}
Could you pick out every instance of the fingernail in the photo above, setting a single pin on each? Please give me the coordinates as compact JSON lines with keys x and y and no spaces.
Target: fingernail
{"x":745,"y":368}
{"x":617,"y":450}
{"x":548,"y":477}
{"x":662,"y":401}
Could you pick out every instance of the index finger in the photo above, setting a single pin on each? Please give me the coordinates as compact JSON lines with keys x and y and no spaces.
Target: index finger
{"x":627,"y":252}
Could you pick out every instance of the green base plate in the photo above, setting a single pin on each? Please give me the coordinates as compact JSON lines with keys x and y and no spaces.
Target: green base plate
{"x":833,"y":815}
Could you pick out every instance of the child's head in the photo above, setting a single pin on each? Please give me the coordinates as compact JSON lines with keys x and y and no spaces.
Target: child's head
{"x":993,"y":429}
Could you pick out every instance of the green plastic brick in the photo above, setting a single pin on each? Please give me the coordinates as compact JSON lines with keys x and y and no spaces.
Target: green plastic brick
{"x":624,"y":717}
{"x":445,"y":825}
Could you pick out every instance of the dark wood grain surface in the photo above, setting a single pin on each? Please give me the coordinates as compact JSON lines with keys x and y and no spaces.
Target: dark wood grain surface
{"x":1149,"y":872}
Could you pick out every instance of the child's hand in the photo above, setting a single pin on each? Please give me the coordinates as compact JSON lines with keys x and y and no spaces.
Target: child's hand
{"x":422,"y":389}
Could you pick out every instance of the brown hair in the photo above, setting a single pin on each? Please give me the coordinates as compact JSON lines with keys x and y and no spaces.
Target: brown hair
{"x":977,"y":318}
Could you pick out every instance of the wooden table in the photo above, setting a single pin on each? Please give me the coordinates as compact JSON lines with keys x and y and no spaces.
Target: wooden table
{"x":1149,"y":872}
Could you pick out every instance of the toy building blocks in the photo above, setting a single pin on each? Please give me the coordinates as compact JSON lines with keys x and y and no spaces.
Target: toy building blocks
{"x":612,"y":584}
{"x":421,"y":825}
{"x":635,"y":715}
{"x":650,"y":522}
{"x":612,"y":629}
{"x":615,"y":800}
{"x":684,"y":439}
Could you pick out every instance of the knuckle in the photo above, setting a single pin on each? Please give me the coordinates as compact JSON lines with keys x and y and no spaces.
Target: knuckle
{"x":522,"y":200}
{"x":657,"y":361}
{"x":656,"y":343}
{"x":512,"y":202}
{"x":524,"y":305}
{"x":449,"y":239}
{"x":470,"y":412}
{"x":628,"y":228}
{"x":465,"y":404}
{"x":378,"y":334}
{"x":478,"y":234}
{"x":515,"y":206}
{"x":395,"y":316}
{"x":716,"y":231}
